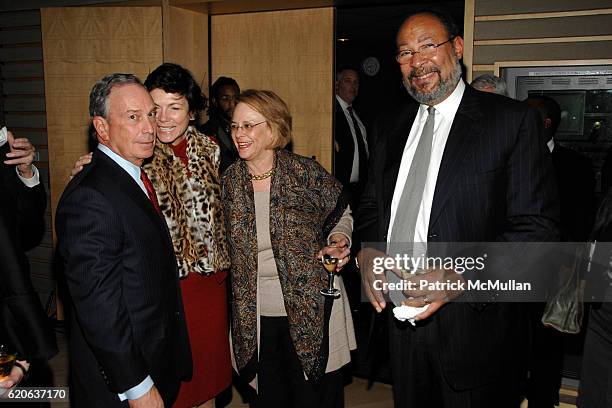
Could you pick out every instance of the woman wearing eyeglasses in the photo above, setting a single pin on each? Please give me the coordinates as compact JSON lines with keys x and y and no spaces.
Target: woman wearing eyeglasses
{"x":288,"y":339}
{"x":184,"y":171}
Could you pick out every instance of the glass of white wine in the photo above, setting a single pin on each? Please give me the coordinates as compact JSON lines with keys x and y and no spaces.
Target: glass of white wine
{"x":7,"y":361}
{"x":329,"y":263}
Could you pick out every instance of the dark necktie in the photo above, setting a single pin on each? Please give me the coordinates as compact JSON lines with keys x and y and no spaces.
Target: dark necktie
{"x":150,"y":190}
{"x":361,"y":147}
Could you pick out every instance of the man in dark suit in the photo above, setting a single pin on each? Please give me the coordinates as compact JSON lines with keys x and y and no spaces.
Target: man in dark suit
{"x":128,"y":342}
{"x":576,"y":183}
{"x":458,"y":166}
{"x":350,"y":138}
{"x":574,"y":173}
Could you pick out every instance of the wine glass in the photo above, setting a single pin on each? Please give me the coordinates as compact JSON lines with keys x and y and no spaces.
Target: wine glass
{"x":329,"y":263}
{"x":7,"y":361}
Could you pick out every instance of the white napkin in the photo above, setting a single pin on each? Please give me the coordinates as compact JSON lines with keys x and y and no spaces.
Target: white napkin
{"x":403,"y":313}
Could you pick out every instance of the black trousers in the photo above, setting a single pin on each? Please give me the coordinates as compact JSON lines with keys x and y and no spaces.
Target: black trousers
{"x":596,"y":370}
{"x":419,"y":379}
{"x":281,"y":381}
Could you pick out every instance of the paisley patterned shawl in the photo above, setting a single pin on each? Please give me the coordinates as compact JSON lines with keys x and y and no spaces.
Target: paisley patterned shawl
{"x":189,"y":197}
{"x":306,"y":203}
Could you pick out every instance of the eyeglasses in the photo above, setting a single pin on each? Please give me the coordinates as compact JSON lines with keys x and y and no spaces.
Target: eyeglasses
{"x":246,"y":126}
{"x":426,"y":50}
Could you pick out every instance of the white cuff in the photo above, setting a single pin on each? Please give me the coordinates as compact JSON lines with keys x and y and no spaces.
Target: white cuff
{"x":32,"y":181}
{"x":138,"y":391}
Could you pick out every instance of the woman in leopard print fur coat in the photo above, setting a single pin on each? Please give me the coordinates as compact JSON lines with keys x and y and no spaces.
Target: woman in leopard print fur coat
{"x":184,"y":171}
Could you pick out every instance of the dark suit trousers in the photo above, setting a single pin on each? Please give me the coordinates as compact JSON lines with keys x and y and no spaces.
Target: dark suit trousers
{"x":418,"y":376}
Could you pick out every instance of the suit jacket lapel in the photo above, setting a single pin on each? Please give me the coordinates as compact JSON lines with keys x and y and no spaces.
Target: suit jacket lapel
{"x":127,"y":184}
{"x":466,"y":128}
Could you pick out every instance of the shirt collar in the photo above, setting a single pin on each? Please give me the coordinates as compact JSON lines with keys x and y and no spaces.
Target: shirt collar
{"x":551,"y":145}
{"x":342,"y":103}
{"x":448,"y":107}
{"x":126,"y":165}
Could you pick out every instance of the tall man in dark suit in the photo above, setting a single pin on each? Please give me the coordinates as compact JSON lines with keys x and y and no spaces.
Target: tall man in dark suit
{"x":458,"y":166}
{"x":128,"y":342}
{"x":350,"y":139}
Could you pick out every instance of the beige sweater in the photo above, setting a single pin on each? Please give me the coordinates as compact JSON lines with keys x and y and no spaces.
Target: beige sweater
{"x":270,"y":297}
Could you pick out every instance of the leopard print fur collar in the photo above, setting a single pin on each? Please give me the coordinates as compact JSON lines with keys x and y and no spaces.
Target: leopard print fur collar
{"x":189,"y":197}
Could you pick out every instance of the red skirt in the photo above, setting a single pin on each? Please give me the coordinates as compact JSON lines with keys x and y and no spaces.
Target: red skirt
{"x":205,"y":302}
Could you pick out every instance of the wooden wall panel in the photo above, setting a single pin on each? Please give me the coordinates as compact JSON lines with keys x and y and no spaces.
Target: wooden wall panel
{"x":537,"y":30}
{"x":496,"y":7}
{"x":546,"y":28}
{"x":487,"y":54}
{"x":290,"y":53}
{"x":186,"y":41}
{"x":80,"y":46}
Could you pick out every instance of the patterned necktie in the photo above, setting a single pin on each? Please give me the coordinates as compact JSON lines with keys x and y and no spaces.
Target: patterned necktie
{"x":150,"y":190}
{"x":361,"y":147}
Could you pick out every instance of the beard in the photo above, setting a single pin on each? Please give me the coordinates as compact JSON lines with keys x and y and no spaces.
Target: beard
{"x":445,"y":87}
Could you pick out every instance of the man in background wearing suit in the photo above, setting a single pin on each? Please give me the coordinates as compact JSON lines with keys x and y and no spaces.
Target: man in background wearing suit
{"x":350,"y":139}
{"x":576,"y":183}
{"x":574,"y":173}
{"x":128,"y":340}
{"x":458,"y":166}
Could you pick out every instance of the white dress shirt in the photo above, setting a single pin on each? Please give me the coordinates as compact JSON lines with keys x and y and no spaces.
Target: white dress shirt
{"x":355,"y":171}
{"x":131,"y":169}
{"x":444,"y":115}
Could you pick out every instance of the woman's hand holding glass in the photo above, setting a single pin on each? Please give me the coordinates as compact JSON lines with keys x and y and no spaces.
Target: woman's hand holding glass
{"x":338,"y":248}
{"x":14,"y":378}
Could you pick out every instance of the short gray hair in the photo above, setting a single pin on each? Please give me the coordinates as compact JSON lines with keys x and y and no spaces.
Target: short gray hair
{"x":342,"y":70}
{"x":489,"y":80}
{"x":98,"y":97}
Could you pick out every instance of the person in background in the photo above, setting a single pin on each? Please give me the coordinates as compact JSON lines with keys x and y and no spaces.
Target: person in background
{"x":24,"y":327}
{"x":574,"y":174}
{"x":595,"y":390}
{"x":350,"y":137}
{"x":490,"y":83}
{"x":288,"y":339}
{"x":223,"y":94}
{"x":576,"y":184}
{"x":185,"y":173}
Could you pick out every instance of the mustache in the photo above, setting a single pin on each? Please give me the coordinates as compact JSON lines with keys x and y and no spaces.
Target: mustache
{"x":422,"y":71}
